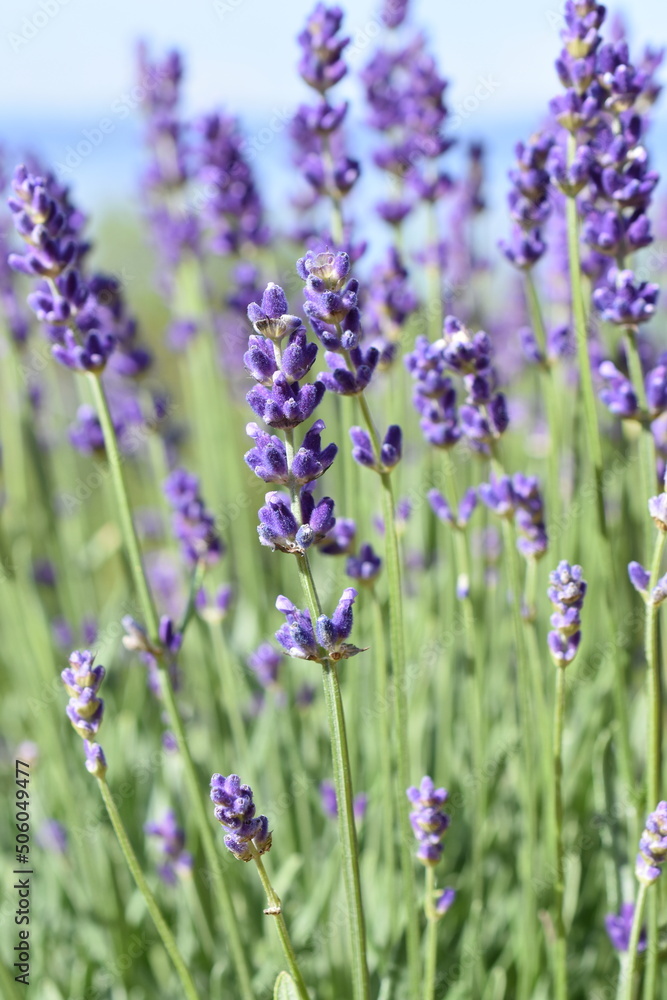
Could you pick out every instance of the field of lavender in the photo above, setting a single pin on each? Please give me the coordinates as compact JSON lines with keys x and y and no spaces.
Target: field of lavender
{"x":340,"y":557}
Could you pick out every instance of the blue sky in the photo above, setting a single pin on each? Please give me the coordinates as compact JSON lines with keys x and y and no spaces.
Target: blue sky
{"x":67,"y":64}
{"x":75,"y":56}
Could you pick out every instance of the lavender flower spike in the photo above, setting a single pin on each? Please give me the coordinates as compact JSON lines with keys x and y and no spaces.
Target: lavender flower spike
{"x":85,"y":710}
{"x":235,"y":811}
{"x":566,"y":593}
{"x":429,"y":820}
{"x":653,"y":846}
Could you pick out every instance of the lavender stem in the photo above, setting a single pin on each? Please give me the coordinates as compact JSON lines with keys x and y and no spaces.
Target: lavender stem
{"x":559,"y":860}
{"x":341,"y":768}
{"x":274,"y":909}
{"x":142,"y":885}
{"x":230,"y":922}
{"x":653,"y":748}
{"x":397,"y":641}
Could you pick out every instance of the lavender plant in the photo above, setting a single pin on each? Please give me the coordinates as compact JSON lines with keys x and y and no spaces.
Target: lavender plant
{"x":397,"y":550}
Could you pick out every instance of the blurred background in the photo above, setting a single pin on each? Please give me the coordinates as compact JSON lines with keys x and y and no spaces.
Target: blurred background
{"x":69,"y":65}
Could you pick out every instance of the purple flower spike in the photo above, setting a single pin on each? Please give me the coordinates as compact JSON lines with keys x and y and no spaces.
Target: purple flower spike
{"x":235,"y":811}
{"x":429,"y":820}
{"x":82,"y":680}
{"x":653,"y":846}
{"x":321,"y":65}
{"x":619,"y":928}
{"x":192,"y":524}
{"x":566,"y":593}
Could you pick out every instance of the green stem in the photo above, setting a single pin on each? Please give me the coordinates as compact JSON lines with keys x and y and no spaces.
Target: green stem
{"x":343,"y":784}
{"x":397,"y":644}
{"x":474,"y":674}
{"x":274,"y":909}
{"x":647,"y":457}
{"x":653,"y":750}
{"x":341,"y":767}
{"x":233,"y":700}
{"x":124,"y":511}
{"x":142,"y":885}
{"x":528,"y":850}
{"x":230,"y":922}
{"x":559,"y":859}
{"x":431,"y":937}
{"x":547,"y":381}
{"x":579,"y":315}
{"x":433,"y":271}
{"x":627,"y":986}
{"x":386,"y":753}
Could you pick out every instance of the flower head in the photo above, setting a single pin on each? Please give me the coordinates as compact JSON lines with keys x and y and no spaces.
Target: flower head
{"x":429,"y":820}
{"x":85,"y":710}
{"x":566,"y":593}
{"x":653,"y":846}
{"x":235,"y":811}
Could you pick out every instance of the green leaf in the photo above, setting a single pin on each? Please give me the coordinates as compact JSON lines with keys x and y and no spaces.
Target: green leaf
{"x":285,"y":988}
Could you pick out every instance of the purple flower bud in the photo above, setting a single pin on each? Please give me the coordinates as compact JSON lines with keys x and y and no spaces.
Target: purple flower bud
{"x":657,"y":508}
{"x":391,"y":448}
{"x":445,"y":901}
{"x":366,"y":566}
{"x":362,"y":448}
{"x":639,"y":577}
{"x":96,"y":763}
